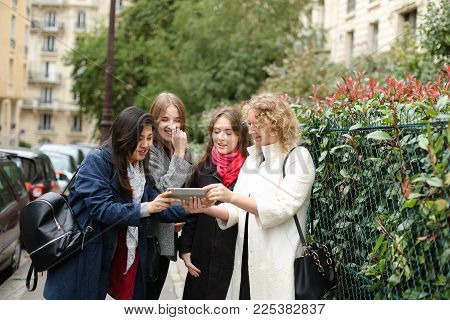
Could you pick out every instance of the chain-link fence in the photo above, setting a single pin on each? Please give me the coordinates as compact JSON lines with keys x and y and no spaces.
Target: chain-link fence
{"x":381,"y":200}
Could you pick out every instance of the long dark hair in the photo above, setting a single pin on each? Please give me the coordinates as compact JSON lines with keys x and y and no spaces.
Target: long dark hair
{"x":237,"y":124}
{"x":124,"y":139}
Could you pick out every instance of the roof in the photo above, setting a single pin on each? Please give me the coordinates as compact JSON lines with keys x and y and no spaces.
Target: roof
{"x":20,"y":152}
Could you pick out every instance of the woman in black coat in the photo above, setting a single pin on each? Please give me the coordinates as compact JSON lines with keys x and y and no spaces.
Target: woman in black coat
{"x":208,"y":251}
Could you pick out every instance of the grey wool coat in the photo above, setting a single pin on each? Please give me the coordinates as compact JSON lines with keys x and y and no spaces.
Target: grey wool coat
{"x":167,"y":173}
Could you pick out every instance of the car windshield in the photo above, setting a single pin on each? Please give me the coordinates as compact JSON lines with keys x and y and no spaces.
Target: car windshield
{"x":61,"y":162}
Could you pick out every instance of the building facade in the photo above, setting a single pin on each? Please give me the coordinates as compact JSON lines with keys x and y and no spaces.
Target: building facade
{"x":51,"y":112}
{"x":364,"y":27}
{"x":14,"y":28}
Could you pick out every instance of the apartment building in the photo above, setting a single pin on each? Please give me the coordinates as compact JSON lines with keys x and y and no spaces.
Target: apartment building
{"x":13,"y":66}
{"x":362,"y":27}
{"x":51,"y":112}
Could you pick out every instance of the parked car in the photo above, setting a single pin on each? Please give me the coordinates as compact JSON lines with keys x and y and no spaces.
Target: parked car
{"x":38,"y":171}
{"x":13,"y":197}
{"x":86,"y":147}
{"x":64,"y":165}
{"x":71,"y":149}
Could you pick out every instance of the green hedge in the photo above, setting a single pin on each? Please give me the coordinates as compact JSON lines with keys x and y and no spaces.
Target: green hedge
{"x":382,"y":184}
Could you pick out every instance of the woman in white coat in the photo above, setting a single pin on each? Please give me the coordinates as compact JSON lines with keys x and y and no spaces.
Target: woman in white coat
{"x":263,"y":203}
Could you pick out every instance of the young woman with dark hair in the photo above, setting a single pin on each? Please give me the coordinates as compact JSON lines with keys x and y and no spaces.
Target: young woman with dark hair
{"x":208,"y":251}
{"x":115,"y":195}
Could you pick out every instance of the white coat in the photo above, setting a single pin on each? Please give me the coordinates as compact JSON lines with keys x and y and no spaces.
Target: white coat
{"x":273,"y":239}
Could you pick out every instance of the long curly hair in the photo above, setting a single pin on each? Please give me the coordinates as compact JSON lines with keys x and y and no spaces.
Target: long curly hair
{"x":272,"y":112}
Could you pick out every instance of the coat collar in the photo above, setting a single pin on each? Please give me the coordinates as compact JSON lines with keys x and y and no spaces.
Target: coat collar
{"x":271,"y":152}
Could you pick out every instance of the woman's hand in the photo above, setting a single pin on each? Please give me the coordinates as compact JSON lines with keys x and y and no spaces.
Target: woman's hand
{"x":218,"y":192}
{"x":161,"y":202}
{"x":194,"y":205}
{"x":193,"y":270}
{"x":179,"y":142}
{"x":179,"y":226}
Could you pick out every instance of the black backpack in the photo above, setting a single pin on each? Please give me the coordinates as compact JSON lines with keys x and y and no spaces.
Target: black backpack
{"x":49,"y":232}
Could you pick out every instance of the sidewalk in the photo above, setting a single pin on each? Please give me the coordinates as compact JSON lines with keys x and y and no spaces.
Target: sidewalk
{"x":14,"y":287}
{"x":174,"y":285}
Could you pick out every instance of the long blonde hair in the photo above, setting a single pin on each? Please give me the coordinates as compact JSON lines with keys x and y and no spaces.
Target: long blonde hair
{"x":159,"y":107}
{"x":273,"y":112}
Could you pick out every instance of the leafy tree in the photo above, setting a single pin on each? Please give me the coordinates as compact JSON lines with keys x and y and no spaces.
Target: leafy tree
{"x":206,"y":51}
{"x":435,"y":30}
{"x":306,"y":68}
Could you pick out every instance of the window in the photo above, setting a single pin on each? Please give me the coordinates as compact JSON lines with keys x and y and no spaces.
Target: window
{"x":12,"y":35}
{"x":6,"y":195}
{"x":15,"y":177}
{"x":26,"y":40}
{"x":373,"y":42}
{"x":47,"y":95}
{"x":13,"y":118}
{"x":48,"y":69}
{"x":28,"y":167}
{"x":351,"y":5}
{"x":350,"y":47}
{"x":409,"y":17}
{"x":81,"y":20}
{"x":76,"y":96}
{"x":11,"y":71}
{"x":45,"y":121}
{"x":50,"y":19}
{"x":49,"y":44}
{"x":76,"y":124}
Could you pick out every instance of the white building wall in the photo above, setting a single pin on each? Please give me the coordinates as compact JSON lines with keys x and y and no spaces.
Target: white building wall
{"x":338,"y":23}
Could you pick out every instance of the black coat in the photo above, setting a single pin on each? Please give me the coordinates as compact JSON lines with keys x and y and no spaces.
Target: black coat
{"x":212,"y":249}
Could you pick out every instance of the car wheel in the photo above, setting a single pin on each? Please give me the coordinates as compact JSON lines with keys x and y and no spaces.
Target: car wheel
{"x":15,"y":259}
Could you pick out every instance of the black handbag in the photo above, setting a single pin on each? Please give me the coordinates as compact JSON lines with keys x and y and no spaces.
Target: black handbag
{"x":49,"y":232}
{"x":314,"y":271}
{"x":154,"y":250}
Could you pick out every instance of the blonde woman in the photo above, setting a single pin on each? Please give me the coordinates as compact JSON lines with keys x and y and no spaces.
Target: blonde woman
{"x":171,"y":164}
{"x":263,"y":203}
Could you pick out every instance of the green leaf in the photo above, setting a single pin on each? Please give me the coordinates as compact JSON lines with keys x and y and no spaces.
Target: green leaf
{"x":333,"y":150}
{"x":431,"y":112}
{"x":441,"y":204}
{"x":410,"y":203}
{"x":415,"y":195}
{"x":447,"y":179}
{"x":435,"y":182}
{"x":323,"y":155}
{"x":379,"y":135}
{"x":423,"y":143}
{"x":355,"y":126}
{"x":394,"y":279}
{"x":378,"y":243}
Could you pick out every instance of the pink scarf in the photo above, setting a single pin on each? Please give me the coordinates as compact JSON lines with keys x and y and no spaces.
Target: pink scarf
{"x":228,"y":165}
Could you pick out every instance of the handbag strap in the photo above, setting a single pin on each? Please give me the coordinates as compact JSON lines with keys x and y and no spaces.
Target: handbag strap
{"x":32,"y":271}
{"x":71,"y":181}
{"x":297,"y":223}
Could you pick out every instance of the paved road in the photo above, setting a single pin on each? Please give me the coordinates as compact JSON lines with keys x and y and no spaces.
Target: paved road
{"x":13,"y":288}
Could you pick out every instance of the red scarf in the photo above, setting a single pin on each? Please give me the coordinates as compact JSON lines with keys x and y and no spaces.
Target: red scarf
{"x":228,"y":165}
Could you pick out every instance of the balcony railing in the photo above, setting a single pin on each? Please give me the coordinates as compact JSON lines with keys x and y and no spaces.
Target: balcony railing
{"x":42,"y":77}
{"x":12,"y":43}
{"x":47,"y":27}
{"x":49,"y":50}
{"x":47,"y":105}
{"x":48,"y":2}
